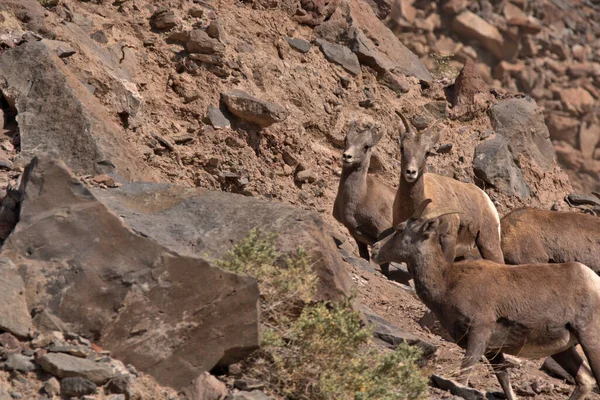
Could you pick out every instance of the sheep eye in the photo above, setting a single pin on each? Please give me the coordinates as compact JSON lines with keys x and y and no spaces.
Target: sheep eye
{"x":367,"y":147}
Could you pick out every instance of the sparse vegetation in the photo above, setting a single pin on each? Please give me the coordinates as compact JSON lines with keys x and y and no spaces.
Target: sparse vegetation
{"x":316,"y":350}
{"x":443,"y":67}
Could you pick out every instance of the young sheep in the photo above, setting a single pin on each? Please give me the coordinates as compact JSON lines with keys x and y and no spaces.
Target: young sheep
{"x":539,"y":236}
{"x":491,"y":309}
{"x":478,"y":225}
{"x":363,"y":204}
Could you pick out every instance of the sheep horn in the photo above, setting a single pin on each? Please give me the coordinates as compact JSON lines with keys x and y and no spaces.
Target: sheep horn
{"x":433,"y":126}
{"x":596,"y":194}
{"x":441,"y":213}
{"x":421,"y":208}
{"x":404,"y":121}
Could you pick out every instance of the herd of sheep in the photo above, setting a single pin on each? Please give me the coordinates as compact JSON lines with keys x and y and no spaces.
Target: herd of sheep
{"x":524,"y":285}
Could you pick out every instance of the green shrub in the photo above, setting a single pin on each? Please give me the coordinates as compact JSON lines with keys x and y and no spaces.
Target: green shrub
{"x":316,"y":350}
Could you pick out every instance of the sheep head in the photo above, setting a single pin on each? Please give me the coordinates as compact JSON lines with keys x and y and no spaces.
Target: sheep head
{"x":415,"y":147}
{"x":362,"y":135}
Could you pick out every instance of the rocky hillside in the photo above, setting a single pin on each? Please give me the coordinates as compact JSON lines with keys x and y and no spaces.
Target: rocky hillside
{"x":143,"y":138}
{"x":548,"y":50}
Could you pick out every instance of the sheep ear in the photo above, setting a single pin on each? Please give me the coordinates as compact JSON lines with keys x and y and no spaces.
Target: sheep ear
{"x":430,"y":226}
{"x":376,"y":134}
{"x":386,"y":233}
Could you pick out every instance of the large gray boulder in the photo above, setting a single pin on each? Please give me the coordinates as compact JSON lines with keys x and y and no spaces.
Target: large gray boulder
{"x":14,"y":314}
{"x":354,"y":23}
{"x":521,"y":122}
{"x":198,"y":222}
{"x":493,"y":163}
{"x":170,"y":315}
{"x":57,"y":114}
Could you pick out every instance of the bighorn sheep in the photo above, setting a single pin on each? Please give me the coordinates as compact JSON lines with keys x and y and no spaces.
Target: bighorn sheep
{"x":478,"y":225}
{"x":491,"y":309}
{"x":540,"y":236}
{"x":363,"y":204}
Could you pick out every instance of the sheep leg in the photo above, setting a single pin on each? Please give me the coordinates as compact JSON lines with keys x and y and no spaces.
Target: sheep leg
{"x":573,"y":363}
{"x":363,"y":250}
{"x":499,"y":367}
{"x":590,"y":343}
{"x":477,"y":342}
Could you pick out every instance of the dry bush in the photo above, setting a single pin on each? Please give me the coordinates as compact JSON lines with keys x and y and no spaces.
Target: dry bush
{"x":316,"y":350}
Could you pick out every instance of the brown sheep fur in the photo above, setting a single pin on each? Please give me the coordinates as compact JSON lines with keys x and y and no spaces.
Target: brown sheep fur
{"x":530,"y":235}
{"x":491,"y":308}
{"x":363,"y":204}
{"x":478,"y":224}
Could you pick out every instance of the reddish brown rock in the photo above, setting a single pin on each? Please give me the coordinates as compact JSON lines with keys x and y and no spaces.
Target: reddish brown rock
{"x":562,"y":127}
{"x":589,"y":136}
{"x":576,"y":97}
{"x":472,"y":26}
{"x":470,"y":94}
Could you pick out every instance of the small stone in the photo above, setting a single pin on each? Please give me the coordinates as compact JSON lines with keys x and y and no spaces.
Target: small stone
{"x":197,"y":12}
{"x":20,"y":363}
{"x":64,"y":365}
{"x":216,"y":31}
{"x":299,"y":44}
{"x":252,"y":109}
{"x":306,"y":176}
{"x":444,"y":148}
{"x":207,"y":387}
{"x":163,"y":18}
{"x":10,"y":343}
{"x":16,"y":395}
{"x":52,"y":387}
{"x":253,"y":395}
{"x":100,"y":37}
{"x":578,"y":52}
{"x":340,"y":55}
{"x":248,"y":384}
{"x":217,"y":118}
{"x":104,"y":179}
{"x":472,"y":26}
{"x":576,"y":97}
{"x":201,"y":42}
{"x":76,"y":387}
{"x":397,"y":83}
{"x":121,"y":384}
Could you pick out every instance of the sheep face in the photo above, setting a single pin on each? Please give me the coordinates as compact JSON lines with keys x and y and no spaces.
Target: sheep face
{"x":409,"y":240}
{"x":415,"y":148}
{"x":360,"y":139}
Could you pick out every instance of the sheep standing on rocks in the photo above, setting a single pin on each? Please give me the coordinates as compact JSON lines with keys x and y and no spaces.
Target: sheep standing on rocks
{"x":531,"y":235}
{"x":477,"y":225}
{"x":363,"y":204}
{"x":530,"y":310}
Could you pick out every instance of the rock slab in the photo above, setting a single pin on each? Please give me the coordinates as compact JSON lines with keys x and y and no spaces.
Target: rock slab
{"x":340,"y":55}
{"x":14,"y":312}
{"x":493,"y":163}
{"x":57,"y":114}
{"x":252,"y":109}
{"x":65,"y":366}
{"x":198,"y":222}
{"x":169,"y":315}
{"x":521,"y":122}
